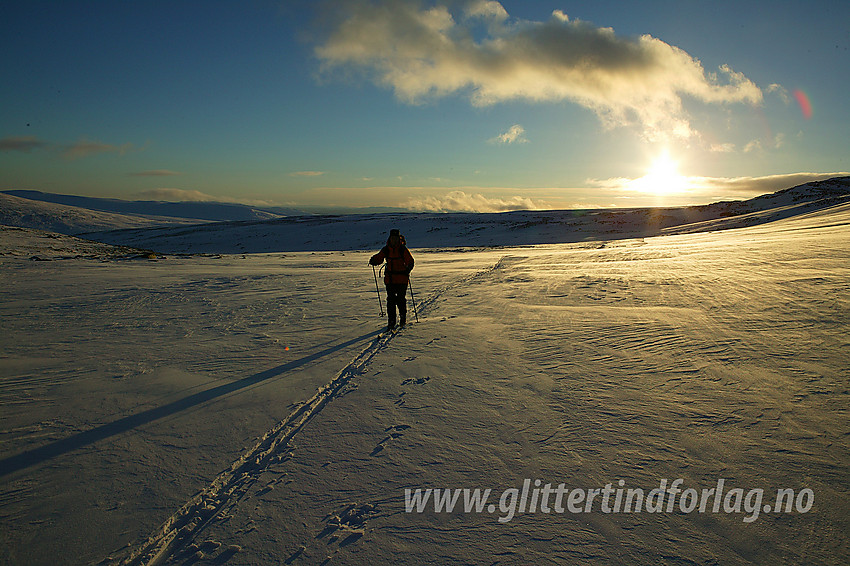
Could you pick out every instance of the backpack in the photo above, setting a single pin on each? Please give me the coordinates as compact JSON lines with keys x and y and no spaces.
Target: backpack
{"x":392,"y":262}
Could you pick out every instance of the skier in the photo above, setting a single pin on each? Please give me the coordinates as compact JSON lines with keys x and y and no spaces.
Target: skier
{"x":396,"y":276}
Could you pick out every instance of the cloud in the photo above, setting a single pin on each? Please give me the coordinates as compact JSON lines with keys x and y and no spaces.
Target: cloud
{"x":753,"y":186}
{"x":24,"y":144}
{"x":487,"y":9}
{"x":306,"y":173}
{"x":82,"y":148}
{"x":423,"y":53}
{"x":722,"y":148}
{"x":178,"y":195}
{"x":724,"y":187}
{"x":773,"y":142}
{"x":86,"y":148}
{"x":459,"y":201}
{"x":781,"y":91}
{"x":155,"y":173}
{"x":183,"y":195}
{"x":515,"y":134}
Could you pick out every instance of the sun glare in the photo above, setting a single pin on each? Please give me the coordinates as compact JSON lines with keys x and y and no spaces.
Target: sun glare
{"x":663,"y":178}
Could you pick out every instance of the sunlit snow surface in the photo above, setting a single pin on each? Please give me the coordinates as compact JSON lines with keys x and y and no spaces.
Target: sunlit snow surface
{"x":130,"y":386}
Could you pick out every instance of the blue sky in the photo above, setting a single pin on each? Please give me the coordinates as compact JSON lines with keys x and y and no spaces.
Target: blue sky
{"x":455,"y":105}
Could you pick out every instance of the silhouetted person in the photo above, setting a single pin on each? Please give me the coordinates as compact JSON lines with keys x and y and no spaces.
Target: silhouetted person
{"x":396,"y":276}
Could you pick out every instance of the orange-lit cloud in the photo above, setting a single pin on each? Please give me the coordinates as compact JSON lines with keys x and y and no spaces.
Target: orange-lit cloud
{"x":422,"y":53}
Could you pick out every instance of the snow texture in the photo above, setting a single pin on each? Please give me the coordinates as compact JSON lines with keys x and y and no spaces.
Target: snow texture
{"x":245,"y":408}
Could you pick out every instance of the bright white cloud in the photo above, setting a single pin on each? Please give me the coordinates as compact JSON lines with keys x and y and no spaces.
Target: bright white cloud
{"x":459,"y":201}
{"x":515,"y":134}
{"x":426,"y":52}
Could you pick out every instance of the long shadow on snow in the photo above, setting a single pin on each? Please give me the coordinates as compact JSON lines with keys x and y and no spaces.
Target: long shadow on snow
{"x":43,"y":453}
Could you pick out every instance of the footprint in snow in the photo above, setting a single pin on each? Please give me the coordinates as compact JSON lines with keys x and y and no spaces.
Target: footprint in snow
{"x":347,"y":526}
{"x":394,"y":432}
{"x":410,"y":381}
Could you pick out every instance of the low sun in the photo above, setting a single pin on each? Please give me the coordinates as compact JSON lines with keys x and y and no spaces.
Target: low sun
{"x":663,"y":177}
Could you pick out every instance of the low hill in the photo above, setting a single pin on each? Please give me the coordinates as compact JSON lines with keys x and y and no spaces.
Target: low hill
{"x":198,"y":211}
{"x":38,"y":215}
{"x":368,"y":231}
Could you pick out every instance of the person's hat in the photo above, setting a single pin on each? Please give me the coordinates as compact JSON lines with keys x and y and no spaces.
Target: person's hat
{"x":394,"y":232}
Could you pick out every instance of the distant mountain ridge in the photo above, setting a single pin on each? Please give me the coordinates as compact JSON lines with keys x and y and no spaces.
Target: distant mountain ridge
{"x":193,"y":227}
{"x":519,"y":228}
{"x":198,"y":210}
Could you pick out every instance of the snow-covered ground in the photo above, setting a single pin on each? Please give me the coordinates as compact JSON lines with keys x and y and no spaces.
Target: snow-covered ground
{"x":244,"y":409}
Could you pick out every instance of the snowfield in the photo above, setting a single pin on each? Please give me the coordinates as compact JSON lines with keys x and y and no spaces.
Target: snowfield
{"x":245,"y":409}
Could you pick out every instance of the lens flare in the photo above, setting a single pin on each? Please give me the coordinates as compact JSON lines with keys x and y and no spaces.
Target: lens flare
{"x":805,"y":105}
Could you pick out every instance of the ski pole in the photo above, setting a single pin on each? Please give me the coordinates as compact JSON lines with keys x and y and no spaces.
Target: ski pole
{"x":415,"y":312}
{"x":380,"y":304}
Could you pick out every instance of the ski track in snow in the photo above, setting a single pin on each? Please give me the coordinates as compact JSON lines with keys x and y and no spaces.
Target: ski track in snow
{"x":173,"y":539}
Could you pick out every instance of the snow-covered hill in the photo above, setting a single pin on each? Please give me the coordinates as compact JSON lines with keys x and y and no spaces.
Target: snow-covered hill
{"x":198,"y":210}
{"x":64,"y":219}
{"x":192,"y":227}
{"x":433,"y":230}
